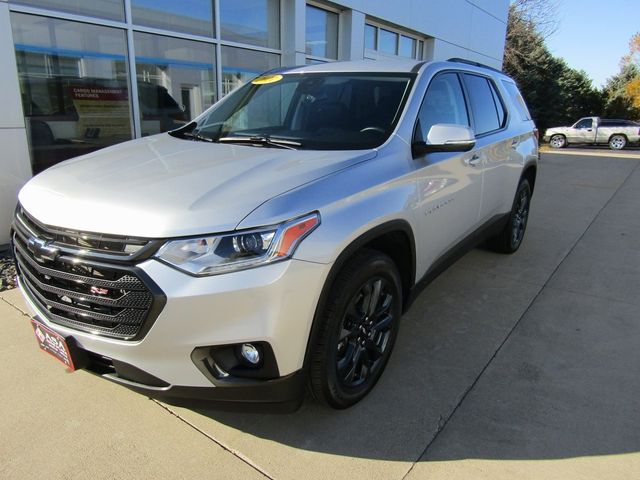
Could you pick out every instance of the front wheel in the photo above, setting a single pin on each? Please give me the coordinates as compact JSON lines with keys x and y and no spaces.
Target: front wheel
{"x":558,"y":141}
{"x":510,"y":238}
{"x":358,"y":330}
{"x":617,"y":142}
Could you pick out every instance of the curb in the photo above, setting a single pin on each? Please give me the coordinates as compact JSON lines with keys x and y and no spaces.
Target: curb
{"x":590,"y":153}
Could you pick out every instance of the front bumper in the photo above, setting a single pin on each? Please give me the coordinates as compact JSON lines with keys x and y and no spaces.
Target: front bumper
{"x":274,"y":304}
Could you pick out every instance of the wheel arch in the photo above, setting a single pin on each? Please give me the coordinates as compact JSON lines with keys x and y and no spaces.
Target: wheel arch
{"x":529,"y":173}
{"x":395,"y":239}
{"x":563,"y":135}
{"x":620,"y":135}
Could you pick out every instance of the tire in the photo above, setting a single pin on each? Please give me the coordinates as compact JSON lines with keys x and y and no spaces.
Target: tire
{"x":356,"y":335}
{"x":617,"y":142}
{"x":558,"y":141}
{"x":510,"y":238}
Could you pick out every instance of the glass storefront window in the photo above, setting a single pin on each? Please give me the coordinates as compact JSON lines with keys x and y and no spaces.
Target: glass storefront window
{"x":407,"y":47}
{"x":240,"y":65}
{"x":378,"y":39}
{"x":256,"y":22}
{"x":388,"y":42}
{"x":176,"y":80}
{"x":189,"y":16}
{"x":370,"y":37}
{"x":73,"y":81}
{"x":321,"y":33}
{"x":111,"y":9}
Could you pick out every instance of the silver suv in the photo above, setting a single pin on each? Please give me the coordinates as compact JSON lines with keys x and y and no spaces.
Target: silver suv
{"x":274,"y":242}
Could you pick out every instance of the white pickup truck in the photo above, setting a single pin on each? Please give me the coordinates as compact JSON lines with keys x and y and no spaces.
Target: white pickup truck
{"x":595,"y":130}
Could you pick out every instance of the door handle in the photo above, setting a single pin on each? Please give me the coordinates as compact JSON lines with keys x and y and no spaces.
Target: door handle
{"x":473,"y":161}
{"x":515,"y":142}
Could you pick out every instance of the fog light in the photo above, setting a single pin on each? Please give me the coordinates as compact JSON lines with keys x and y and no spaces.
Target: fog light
{"x":250,"y":353}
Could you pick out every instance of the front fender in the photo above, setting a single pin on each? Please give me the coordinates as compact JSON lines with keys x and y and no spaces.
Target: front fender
{"x":351,"y":203}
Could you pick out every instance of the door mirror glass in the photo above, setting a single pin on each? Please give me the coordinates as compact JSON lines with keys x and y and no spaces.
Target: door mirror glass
{"x":446,"y":137}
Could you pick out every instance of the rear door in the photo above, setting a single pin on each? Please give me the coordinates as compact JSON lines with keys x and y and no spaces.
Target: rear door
{"x":450,"y":185}
{"x":494,"y":143}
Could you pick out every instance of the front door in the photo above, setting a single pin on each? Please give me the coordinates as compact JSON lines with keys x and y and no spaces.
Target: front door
{"x":582,"y":132}
{"x":450,"y":184}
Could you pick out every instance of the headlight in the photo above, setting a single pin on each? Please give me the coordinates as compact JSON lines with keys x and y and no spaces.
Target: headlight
{"x":215,"y":254}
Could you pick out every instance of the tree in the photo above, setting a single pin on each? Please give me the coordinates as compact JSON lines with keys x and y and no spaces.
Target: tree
{"x":619,"y":103}
{"x":556,"y":94}
{"x":529,"y":23}
{"x":622,"y":91}
{"x":580,"y":98}
{"x":632,"y":88}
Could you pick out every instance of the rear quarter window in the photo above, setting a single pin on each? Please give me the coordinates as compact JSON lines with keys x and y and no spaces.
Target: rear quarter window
{"x":517,"y":100}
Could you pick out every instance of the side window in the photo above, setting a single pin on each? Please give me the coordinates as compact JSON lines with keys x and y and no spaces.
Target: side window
{"x":443,"y":103}
{"x":585,"y":123}
{"x":517,"y":100}
{"x":500,"y":110}
{"x":485,"y":115}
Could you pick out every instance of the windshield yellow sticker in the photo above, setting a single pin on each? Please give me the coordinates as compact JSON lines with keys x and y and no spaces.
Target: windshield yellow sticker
{"x":267,"y":79}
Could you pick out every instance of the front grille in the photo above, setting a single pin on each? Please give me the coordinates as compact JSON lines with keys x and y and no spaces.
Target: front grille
{"x":73,"y":290}
{"x":116,"y":247}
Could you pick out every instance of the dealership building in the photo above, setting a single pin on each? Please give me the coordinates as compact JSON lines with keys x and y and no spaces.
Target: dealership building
{"x":77,"y":75}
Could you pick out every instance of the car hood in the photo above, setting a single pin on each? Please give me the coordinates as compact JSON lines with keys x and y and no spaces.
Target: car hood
{"x":163,"y":186}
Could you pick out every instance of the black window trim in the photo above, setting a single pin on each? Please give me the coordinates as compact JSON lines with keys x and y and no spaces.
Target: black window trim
{"x":507,"y":117}
{"x":464,"y":96}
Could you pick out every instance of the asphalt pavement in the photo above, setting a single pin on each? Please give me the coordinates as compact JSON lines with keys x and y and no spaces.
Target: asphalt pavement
{"x":522,"y":366}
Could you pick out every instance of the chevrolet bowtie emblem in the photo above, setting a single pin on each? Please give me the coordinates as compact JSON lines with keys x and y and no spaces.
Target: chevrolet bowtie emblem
{"x":42,"y":251}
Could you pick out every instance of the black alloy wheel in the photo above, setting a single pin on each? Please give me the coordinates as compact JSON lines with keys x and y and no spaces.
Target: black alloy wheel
{"x":364,"y":336}
{"x":357,"y":330}
{"x":519,"y":217}
{"x":510,"y":237}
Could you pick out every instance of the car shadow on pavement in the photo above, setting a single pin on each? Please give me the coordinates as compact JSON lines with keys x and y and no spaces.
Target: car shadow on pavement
{"x":535,"y":401}
{"x":488,"y":364}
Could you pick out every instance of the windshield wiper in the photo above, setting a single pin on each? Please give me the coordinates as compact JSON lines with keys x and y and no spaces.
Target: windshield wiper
{"x":195,"y":136}
{"x":262,"y":140}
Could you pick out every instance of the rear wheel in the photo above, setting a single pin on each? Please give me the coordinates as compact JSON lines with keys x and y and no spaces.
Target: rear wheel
{"x":510,"y":238}
{"x":617,"y":142}
{"x":558,"y":141}
{"x":358,"y":330}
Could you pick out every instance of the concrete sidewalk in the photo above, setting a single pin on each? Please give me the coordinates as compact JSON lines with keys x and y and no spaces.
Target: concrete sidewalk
{"x":506,"y":367}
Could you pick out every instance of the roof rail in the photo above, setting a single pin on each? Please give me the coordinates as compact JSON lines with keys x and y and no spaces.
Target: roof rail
{"x":475,"y":64}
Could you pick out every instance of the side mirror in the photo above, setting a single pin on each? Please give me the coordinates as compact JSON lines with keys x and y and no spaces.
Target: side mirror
{"x":445,"y":137}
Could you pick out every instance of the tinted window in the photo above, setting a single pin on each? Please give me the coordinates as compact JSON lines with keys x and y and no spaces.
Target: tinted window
{"x":73,"y":80}
{"x":407,"y":47}
{"x":176,"y":80}
{"x":517,"y":100}
{"x":321,"y":33}
{"x":370,"y":37}
{"x":388,"y":42}
{"x":485,"y":116}
{"x":322,"y":111}
{"x":111,"y":9}
{"x":499,"y":105}
{"x":250,"y":21}
{"x":585,"y":123}
{"x":617,"y":123}
{"x":240,"y":65}
{"x":189,"y":16}
{"x":443,"y":103}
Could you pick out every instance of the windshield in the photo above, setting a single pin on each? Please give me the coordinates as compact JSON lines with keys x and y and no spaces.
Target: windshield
{"x":322,"y":111}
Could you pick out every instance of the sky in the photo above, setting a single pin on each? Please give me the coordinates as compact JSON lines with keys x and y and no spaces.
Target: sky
{"x":593,"y":35}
